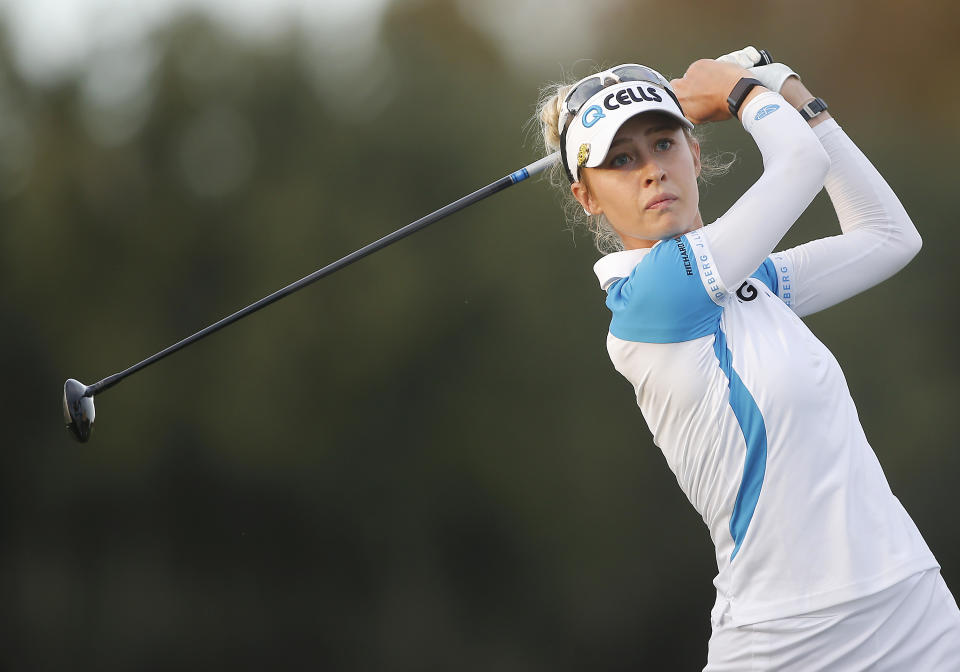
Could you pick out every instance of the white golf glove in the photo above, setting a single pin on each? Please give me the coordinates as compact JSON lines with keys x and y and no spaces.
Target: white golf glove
{"x":771,"y":76}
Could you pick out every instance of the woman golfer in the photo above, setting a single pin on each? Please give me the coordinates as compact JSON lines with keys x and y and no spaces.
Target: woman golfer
{"x":819,"y":566}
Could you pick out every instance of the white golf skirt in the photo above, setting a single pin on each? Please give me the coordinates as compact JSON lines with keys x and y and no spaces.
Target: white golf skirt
{"x":912,"y":626}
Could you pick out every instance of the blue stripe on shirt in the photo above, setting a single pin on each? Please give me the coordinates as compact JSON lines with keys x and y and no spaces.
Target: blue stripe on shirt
{"x":754,"y":433}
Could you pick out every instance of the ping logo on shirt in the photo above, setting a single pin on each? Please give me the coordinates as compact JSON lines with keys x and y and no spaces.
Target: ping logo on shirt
{"x":592,"y":115}
{"x":766,"y":111}
{"x":747,"y":292}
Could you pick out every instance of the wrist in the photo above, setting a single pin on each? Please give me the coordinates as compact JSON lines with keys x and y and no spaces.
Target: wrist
{"x":795,"y":92}
{"x":813,"y":111}
{"x":819,"y":119}
{"x":745,"y":90}
{"x":756,"y":91}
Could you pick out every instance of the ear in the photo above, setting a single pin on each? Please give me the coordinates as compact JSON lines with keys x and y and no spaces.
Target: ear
{"x":582,"y":193}
{"x":695,"y":151}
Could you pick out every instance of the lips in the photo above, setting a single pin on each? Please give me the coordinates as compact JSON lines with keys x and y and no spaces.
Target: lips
{"x":661,"y":201}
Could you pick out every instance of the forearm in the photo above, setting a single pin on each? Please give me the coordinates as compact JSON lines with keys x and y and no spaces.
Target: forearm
{"x":878,"y":237}
{"x":795,"y":93}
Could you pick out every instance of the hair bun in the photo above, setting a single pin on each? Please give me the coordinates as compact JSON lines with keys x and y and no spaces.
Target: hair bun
{"x":549,"y":114}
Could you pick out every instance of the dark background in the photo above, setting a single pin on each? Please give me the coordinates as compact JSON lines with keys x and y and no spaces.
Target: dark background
{"x":425,"y":462}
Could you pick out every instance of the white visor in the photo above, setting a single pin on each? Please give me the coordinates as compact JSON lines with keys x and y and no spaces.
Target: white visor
{"x":590,"y":133}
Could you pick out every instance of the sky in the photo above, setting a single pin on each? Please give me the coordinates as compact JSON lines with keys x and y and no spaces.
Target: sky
{"x":52,"y":37}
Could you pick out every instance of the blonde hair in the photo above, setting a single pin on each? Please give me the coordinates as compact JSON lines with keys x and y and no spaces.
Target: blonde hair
{"x":605,"y":238}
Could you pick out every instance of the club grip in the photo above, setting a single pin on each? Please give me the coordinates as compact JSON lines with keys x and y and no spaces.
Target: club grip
{"x":765,"y":57}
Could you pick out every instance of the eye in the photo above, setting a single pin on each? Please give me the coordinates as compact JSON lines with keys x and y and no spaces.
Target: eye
{"x":663,"y":144}
{"x":619,"y":160}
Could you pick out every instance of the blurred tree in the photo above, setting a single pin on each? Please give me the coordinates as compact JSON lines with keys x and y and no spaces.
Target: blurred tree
{"x":426,"y":461}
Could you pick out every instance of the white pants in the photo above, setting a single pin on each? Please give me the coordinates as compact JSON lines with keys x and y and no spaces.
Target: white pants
{"x":912,"y":626}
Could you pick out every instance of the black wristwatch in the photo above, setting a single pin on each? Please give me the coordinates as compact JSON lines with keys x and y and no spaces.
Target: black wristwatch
{"x":812,"y":108}
{"x":740,"y":91}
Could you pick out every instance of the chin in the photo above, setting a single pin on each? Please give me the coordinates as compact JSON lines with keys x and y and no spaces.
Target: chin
{"x":676,"y":229}
{"x":672,"y":231}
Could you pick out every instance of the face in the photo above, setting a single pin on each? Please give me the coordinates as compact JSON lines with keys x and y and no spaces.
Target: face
{"x":647,"y":184}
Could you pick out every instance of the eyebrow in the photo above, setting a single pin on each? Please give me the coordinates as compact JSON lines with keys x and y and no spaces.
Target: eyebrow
{"x":657,"y":129}
{"x":649,"y":131}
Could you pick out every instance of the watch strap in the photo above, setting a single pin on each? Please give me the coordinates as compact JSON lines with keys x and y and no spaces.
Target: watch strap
{"x":739,"y":93}
{"x":812,"y":108}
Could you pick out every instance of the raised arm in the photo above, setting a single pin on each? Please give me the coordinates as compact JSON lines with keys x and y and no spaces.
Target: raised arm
{"x":878,"y":238}
{"x":794,"y":166}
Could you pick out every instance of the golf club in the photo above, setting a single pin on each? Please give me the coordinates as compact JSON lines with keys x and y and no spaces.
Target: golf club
{"x":78,"y":409}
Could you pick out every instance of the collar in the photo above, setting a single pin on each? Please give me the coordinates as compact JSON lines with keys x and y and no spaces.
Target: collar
{"x":618,"y":265}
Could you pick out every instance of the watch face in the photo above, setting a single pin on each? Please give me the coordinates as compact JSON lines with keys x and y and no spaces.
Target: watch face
{"x":813,"y":108}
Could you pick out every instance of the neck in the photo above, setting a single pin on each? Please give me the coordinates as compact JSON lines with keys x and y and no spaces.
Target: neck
{"x":641,"y":243}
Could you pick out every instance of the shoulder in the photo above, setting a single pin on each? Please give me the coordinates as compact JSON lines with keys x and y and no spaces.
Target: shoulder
{"x":664,"y":298}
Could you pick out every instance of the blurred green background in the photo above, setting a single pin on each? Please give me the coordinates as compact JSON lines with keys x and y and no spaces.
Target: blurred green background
{"x":425,"y":462}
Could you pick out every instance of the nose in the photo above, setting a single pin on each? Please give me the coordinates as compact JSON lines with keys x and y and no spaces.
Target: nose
{"x":653,"y":172}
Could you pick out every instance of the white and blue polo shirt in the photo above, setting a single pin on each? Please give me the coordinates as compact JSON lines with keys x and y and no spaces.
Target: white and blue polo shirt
{"x":753,"y":416}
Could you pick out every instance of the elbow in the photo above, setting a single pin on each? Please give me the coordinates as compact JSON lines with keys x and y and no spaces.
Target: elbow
{"x":903,"y":243}
{"x":912,"y":242}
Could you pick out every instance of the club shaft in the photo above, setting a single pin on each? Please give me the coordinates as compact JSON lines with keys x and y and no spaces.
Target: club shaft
{"x":413,"y":227}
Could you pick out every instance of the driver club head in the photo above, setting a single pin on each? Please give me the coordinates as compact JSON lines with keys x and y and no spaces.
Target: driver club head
{"x":78,"y":411}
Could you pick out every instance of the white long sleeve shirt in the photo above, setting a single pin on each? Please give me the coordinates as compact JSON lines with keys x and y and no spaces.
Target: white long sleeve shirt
{"x":751,"y":411}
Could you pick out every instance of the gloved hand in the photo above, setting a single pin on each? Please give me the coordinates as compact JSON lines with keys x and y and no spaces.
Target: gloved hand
{"x":771,"y":76}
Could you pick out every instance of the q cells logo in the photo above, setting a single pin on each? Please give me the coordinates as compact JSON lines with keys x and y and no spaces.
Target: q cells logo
{"x":592,"y":115}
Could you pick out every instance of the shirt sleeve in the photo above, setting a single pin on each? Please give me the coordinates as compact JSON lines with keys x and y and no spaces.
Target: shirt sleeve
{"x":794,"y":167}
{"x":878,"y":237}
{"x":767,"y":274}
{"x":669,"y":296}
